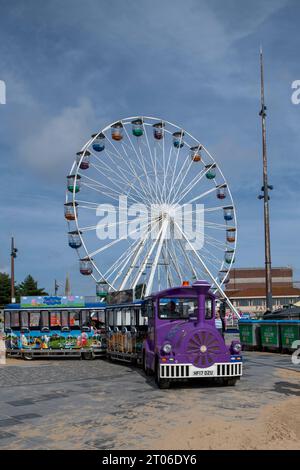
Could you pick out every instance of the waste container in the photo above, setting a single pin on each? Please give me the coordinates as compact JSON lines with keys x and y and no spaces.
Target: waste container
{"x":250,"y":334}
{"x":270,"y":335}
{"x":289,"y":332}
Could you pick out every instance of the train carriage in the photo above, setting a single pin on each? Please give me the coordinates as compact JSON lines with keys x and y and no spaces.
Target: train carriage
{"x":126,"y":331}
{"x":54,"y":331}
{"x":173,"y":334}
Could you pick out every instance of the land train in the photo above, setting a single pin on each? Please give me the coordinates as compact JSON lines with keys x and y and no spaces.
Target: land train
{"x":172,"y":334}
{"x":46,"y":327}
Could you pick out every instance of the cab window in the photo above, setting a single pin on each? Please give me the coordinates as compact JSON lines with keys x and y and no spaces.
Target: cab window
{"x":177,"y":308}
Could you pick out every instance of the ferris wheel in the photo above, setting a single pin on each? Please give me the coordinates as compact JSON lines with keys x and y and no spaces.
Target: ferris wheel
{"x":147,"y":205}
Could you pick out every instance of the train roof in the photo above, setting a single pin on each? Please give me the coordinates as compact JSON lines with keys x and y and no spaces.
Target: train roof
{"x":87,"y":305}
{"x":135,"y":303}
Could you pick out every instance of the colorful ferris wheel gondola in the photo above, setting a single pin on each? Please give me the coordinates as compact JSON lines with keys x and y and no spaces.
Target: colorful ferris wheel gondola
{"x":98,"y":143}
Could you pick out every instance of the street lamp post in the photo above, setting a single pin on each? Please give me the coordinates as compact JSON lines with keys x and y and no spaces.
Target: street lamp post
{"x":265,"y":192}
{"x":13,"y":255}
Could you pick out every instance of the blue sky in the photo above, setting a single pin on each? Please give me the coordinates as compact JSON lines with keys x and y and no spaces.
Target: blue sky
{"x":73,"y":67}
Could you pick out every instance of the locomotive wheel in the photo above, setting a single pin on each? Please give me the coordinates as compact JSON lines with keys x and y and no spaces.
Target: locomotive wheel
{"x":161,"y":383}
{"x":145,"y":368}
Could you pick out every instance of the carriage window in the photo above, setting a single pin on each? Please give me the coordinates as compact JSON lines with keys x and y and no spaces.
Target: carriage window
{"x":133,"y":317}
{"x":85,"y":318}
{"x":208,"y":308}
{"x":126,"y":317}
{"x":55,"y":319}
{"x":45,"y":319}
{"x":74,"y":319}
{"x":171,"y":308}
{"x":101,"y":316}
{"x":117,"y":317}
{"x":6,"y":320}
{"x":14,"y":319}
{"x":24,"y":319}
{"x":64,"y":319}
{"x":111,"y":318}
{"x":34,"y":319}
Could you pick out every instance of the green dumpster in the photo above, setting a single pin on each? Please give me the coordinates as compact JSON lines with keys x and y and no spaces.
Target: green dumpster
{"x":270,"y":335}
{"x":250,"y":334}
{"x":289,"y":332}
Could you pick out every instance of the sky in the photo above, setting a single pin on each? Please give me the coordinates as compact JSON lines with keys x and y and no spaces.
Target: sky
{"x":73,"y":67}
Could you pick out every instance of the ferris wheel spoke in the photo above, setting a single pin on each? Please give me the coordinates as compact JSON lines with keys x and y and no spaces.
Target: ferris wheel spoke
{"x":157,"y":241}
{"x":145,"y":185}
{"x":101,"y":191}
{"x":175,"y":263}
{"x":126,"y":191}
{"x":142,"y":163}
{"x":166,"y":173}
{"x":202,"y":195}
{"x":173,"y":170}
{"x":160,"y":240}
{"x":136,"y":256}
{"x":128,"y":163}
{"x":181,"y":178}
{"x":113,"y":243}
{"x":218,"y":287}
{"x":112,"y":168}
{"x":167,"y":266}
{"x":121,"y":261}
{"x":188,"y":261}
{"x":216,"y":226}
{"x":151,"y":158}
{"x":192,"y":184}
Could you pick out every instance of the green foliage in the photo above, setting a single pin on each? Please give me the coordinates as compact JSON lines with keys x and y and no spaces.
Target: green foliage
{"x":30,"y":287}
{"x":5,"y":289}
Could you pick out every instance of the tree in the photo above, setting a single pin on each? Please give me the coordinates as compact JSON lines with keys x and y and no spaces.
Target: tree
{"x":30,"y":287}
{"x":5,"y":289}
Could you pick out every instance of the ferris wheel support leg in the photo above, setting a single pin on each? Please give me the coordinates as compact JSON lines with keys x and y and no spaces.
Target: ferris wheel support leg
{"x":136,"y":257}
{"x":146,"y":259}
{"x":157,"y":255}
{"x":218,"y":287}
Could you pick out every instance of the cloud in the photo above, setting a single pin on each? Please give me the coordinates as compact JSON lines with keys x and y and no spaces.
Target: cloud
{"x":58,"y":139}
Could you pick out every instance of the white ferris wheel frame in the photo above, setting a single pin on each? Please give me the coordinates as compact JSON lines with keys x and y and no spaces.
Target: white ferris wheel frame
{"x":160,"y":239}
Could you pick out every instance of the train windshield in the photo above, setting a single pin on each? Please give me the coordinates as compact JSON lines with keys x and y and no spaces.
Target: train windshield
{"x":171,"y":308}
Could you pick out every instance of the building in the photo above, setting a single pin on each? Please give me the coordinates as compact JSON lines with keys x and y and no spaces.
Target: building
{"x":246,"y":289}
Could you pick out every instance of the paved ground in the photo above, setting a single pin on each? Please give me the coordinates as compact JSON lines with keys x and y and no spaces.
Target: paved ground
{"x":68,"y":404}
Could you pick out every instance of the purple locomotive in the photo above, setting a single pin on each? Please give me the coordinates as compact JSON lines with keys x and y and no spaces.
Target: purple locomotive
{"x":173,"y":334}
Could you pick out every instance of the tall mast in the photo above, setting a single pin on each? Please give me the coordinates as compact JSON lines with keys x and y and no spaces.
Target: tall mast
{"x":265,"y":190}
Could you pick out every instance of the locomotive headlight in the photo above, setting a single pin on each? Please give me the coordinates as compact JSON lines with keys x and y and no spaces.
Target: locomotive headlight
{"x":237,"y":347}
{"x":167,"y":348}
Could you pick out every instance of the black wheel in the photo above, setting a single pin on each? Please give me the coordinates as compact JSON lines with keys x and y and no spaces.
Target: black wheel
{"x":88,"y":355}
{"x":161,"y":383}
{"x":145,"y":368}
{"x":27,"y":356}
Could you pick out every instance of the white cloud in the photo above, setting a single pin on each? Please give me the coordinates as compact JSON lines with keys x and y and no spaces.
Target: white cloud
{"x":58,"y":139}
